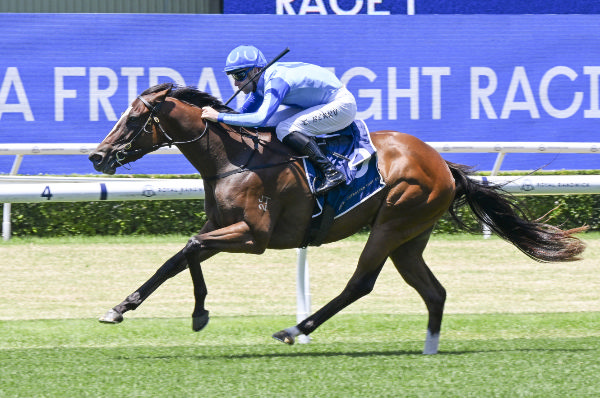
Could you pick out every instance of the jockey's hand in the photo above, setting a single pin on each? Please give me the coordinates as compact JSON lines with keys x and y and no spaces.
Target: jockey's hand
{"x":210,"y":114}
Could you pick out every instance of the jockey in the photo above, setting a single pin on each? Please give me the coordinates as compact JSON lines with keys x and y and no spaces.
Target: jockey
{"x":317,"y":103}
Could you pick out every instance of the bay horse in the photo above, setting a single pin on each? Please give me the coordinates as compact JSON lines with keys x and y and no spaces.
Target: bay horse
{"x":257,"y":198}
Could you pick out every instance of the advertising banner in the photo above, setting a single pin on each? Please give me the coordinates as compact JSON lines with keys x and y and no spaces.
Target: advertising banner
{"x":66,"y":78}
{"x":389,"y":7}
{"x":312,"y":7}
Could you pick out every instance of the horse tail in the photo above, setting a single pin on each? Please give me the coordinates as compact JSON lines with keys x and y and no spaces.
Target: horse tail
{"x":501,"y":212}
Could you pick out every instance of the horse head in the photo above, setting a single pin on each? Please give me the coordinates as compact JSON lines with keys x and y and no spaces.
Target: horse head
{"x":139,"y":131}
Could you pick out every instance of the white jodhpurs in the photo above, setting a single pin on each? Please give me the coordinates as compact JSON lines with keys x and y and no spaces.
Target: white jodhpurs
{"x":321,"y":119}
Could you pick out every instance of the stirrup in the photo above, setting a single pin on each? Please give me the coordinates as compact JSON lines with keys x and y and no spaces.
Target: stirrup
{"x":331,"y":181}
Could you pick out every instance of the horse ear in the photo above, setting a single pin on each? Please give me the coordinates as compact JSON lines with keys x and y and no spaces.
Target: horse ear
{"x":162,"y":94}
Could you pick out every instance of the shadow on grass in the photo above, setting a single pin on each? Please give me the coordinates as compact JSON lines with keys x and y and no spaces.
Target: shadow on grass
{"x":355,"y":354}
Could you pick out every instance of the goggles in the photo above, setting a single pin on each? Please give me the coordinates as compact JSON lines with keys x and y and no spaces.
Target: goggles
{"x":240,"y":74}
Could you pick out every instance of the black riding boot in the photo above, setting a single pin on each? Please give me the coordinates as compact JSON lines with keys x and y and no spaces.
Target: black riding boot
{"x":308,"y":146}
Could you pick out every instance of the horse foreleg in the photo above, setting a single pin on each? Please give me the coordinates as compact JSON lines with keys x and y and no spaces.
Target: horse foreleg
{"x":169,"y":269}
{"x":234,"y":238}
{"x":200,"y":314}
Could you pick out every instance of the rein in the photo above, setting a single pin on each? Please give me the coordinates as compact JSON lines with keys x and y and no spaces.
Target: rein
{"x":153,"y":119}
{"x":244,"y":169}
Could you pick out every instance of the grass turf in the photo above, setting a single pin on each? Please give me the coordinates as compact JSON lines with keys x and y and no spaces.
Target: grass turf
{"x":499,"y":355}
{"x":513,"y":328}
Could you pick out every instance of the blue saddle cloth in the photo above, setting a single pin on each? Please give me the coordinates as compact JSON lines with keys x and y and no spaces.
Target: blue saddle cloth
{"x":352,"y":152}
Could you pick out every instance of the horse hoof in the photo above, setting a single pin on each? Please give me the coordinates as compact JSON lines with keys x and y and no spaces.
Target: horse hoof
{"x":111,"y":316}
{"x":284,"y":337}
{"x":199,"y":322}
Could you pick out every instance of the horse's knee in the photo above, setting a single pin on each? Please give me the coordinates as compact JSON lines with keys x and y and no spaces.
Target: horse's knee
{"x":191,"y":247}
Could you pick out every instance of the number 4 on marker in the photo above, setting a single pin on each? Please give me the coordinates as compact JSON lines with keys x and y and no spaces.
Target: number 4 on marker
{"x":47,"y":194}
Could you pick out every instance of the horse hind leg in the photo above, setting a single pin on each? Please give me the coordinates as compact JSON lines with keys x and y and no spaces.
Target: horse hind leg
{"x":408,"y":260}
{"x":360,"y":284}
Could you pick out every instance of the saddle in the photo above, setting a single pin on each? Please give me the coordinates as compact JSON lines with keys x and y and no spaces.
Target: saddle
{"x":352,"y":152}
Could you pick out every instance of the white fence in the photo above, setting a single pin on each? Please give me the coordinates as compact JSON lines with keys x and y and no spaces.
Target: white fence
{"x":546,"y":185}
{"x":116,"y":189}
{"x":47,"y":189}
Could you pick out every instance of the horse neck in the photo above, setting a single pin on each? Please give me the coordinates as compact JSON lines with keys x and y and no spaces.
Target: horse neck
{"x":200,"y":145}
{"x":219,"y":150}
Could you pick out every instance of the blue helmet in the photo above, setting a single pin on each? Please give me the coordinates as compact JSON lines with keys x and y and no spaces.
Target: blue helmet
{"x":245,"y":57}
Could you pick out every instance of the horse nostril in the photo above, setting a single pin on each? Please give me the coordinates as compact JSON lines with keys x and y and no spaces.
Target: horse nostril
{"x":96,"y":158}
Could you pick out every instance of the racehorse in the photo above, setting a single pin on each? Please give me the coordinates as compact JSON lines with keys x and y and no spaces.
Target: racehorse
{"x":257,"y":197}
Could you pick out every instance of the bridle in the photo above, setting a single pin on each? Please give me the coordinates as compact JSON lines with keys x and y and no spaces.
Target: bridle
{"x":147,"y":128}
{"x":154,"y":120}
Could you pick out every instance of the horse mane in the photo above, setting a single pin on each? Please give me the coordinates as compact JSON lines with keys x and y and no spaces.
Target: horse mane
{"x":191,"y":95}
{"x":194,"y":97}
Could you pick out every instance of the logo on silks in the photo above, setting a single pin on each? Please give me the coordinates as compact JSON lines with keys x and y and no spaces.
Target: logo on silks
{"x":527,"y":186}
{"x":148,"y":191}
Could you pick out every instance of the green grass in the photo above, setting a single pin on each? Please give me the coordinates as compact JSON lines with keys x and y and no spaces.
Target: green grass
{"x":501,"y":355}
{"x":513,"y":327}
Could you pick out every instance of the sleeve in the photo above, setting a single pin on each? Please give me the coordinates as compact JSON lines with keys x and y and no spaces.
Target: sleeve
{"x":275,"y":92}
{"x":251,"y":104}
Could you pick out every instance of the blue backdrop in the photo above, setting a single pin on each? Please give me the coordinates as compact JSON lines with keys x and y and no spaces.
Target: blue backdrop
{"x":67,"y":77}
